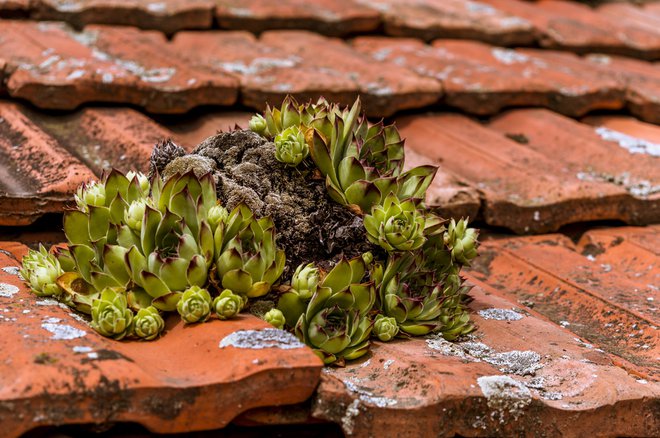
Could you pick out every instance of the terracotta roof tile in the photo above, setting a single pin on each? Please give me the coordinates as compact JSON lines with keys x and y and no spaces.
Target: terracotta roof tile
{"x":36,"y":173}
{"x":45,"y":158}
{"x":541,"y":170}
{"x":483,"y":79}
{"x":603,"y":288}
{"x":54,"y":67}
{"x":519,"y":372}
{"x":84,"y":377}
{"x":306,"y":65}
{"x":641,"y":79}
{"x":433,"y":19}
{"x":168,"y":16}
{"x":338,"y":17}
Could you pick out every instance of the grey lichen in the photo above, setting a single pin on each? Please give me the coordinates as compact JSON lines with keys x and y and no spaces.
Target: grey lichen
{"x":506,"y":396}
{"x":258,"y":339}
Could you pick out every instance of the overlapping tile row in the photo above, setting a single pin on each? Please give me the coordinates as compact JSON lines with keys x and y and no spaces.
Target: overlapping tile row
{"x":483,"y":79}
{"x":604,"y":288}
{"x":60,"y":371}
{"x":56,"y":68}
{"x":44,"y":158}
{"x":536,"y":170}
{"x":168,"y":16}
{"x":567,"y":25}
{"x":306,"y":65}
{"x":518,"y":372}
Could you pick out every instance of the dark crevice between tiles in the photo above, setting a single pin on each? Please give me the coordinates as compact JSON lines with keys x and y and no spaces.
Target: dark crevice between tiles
{"x":47,"y":230}
{"x":129,"y":430}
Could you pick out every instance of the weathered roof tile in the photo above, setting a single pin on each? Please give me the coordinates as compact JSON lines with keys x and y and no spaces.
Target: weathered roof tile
{"x":433,"y":19}
{"x":307,"y":66}
{"x":541,"y":170}
{"x":54,"y":67}
{"x":168,"y":16}
{"x":483,"y":79}
{"x":335,"y":18}
{"x":62,"y":372}
{"x":603,"y":288}
{"x":518,"y":372}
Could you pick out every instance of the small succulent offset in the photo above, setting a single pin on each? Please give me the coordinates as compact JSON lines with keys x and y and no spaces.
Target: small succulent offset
{"x":290,"y":146}
{"x":139,"y":247}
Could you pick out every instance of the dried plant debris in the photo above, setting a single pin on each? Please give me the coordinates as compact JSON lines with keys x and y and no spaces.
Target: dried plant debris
{"x":306,"y":220}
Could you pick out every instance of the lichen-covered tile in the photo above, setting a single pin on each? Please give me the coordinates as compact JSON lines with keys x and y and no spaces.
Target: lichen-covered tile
{"x":168,"y":16}
{"x":55,"y":67}
{"x":522,"y":189}
{"x":433,"y":19}
{"x":517,"y":372}
{"x":599,"y":289}
{"x":60,"y":371}
{"x":483,"y":79}
{"x":335,"y":18}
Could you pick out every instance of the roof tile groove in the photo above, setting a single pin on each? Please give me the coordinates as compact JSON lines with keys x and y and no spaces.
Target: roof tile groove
{"x":168,"y":16}
{"x":335,"y":18}
{"x":557,"y":172}
{"x":519,"y":372}
{"x":86,"y":378}
{"x":603,"y":289}
{"x":306,"y":65}
{"x":483,"y":79}
{"x":54,"y":67}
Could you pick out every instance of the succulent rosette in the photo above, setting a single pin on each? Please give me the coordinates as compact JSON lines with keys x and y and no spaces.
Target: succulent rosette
{"x":290,"y":146}
{"x":248,"y":260}
{"x":421,"y":300}
{"x":461,"y":241}
{"x":275,"y":317}
{"x":148,"y":323}
{"x":155,"y":244}
{"x":258,"y":124}
{"x":228,"y":304}
{"x":385,"y":328}
{"x":194,"y":305}
{"x":395,"y":225}
{"x":335,"y":323}
{"x":111,"y":316}
{"x":305,"y":280}
{"x":41,"y":270}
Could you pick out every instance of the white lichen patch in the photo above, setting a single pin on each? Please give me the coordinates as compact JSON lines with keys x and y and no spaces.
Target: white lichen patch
{"x":8,"y":290}
{"x":508,"y":56}
{"x":82,"y":349}
{"x":13,"y":270}
{"x":500,"y":314}
{"x":366,"y":395}
{"x":347,"y":421}
{"x":505,"y":395}
{"x":518,"y":362}
{"x":258,"y":339}
{"x":634,"y":145}
{"x":388,"y":363}
{"x":61,"y":331}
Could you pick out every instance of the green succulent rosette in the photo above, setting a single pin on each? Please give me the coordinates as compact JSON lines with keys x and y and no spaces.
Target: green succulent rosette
{"x":111,"y":316}
{"x":41,"y":270}
{"x":275,"y":317}
{"x":385,"y":328}
{"x":258,"y":125}
{"x":395,"y":225}
{"x":461,"y":241}
{"x":248,"y":260}
{"x":152,"y":239}
{"x":148,"y":323}
{"x":290,"y":146}
{"x":305,"y":280}
{"x":228,"y":304}
{"x":335,"y":323}
{"x":194,"y":305}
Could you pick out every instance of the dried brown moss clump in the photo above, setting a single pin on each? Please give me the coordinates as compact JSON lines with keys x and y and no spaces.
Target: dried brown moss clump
{"x":310,"y":226}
